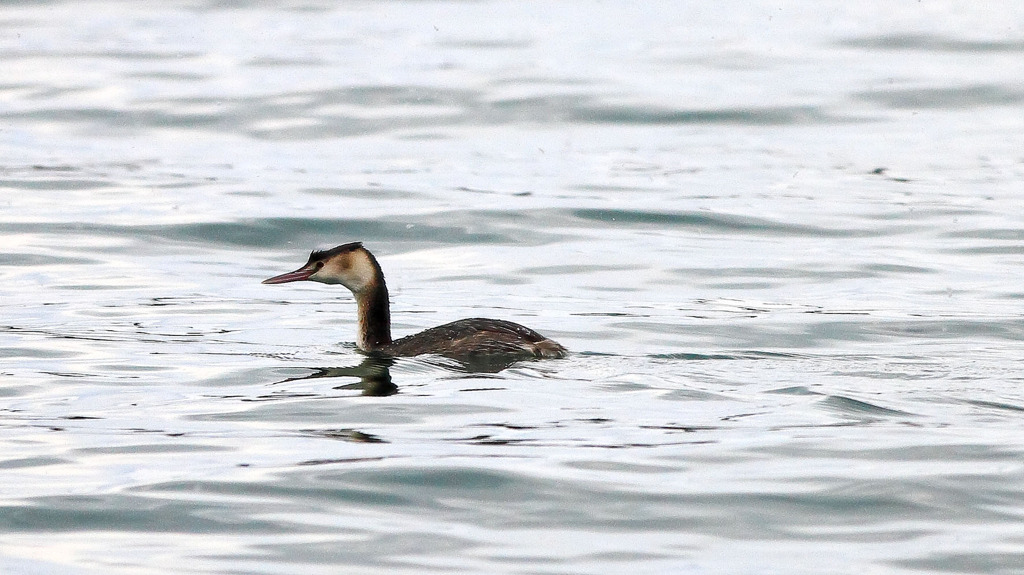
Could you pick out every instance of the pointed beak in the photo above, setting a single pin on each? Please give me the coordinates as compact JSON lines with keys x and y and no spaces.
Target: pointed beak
{"x":298,"y":275}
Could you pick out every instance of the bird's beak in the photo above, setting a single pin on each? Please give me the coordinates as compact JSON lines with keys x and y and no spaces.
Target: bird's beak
{"x":300,"y":274}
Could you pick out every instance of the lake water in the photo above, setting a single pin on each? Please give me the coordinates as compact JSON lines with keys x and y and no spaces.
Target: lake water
{"x":784,"y":242}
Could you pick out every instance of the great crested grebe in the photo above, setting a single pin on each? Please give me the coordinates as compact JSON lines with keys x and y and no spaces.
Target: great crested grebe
{"x":354,"y":267}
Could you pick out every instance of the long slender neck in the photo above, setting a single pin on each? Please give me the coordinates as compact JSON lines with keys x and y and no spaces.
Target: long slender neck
{"x":374,"y":315}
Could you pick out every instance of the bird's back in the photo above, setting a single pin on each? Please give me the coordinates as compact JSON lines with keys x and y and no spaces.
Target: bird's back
{"x":468,"y":338}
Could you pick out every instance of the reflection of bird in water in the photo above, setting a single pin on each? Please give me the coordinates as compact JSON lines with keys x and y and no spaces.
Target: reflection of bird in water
{"x":487,"y":343}
{"x":373,"y":373}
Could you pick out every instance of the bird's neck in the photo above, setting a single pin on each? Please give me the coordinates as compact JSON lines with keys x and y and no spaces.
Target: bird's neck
{"x":374,"y":315}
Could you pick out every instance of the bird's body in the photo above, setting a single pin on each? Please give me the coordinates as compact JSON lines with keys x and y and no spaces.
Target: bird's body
{"x":477,"y":336}
{"x":472,"y":339}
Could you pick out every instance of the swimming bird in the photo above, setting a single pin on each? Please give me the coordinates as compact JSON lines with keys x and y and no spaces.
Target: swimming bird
{"x":473,"y":339}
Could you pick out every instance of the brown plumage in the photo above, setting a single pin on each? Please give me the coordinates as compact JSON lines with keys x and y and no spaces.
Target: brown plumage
{"x":471,"y":339}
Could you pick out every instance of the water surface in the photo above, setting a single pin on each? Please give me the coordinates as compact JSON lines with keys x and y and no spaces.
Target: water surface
{"x":783,"y":242}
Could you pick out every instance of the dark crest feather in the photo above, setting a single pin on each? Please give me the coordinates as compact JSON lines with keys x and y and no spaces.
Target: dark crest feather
{"x":324,"y":254}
